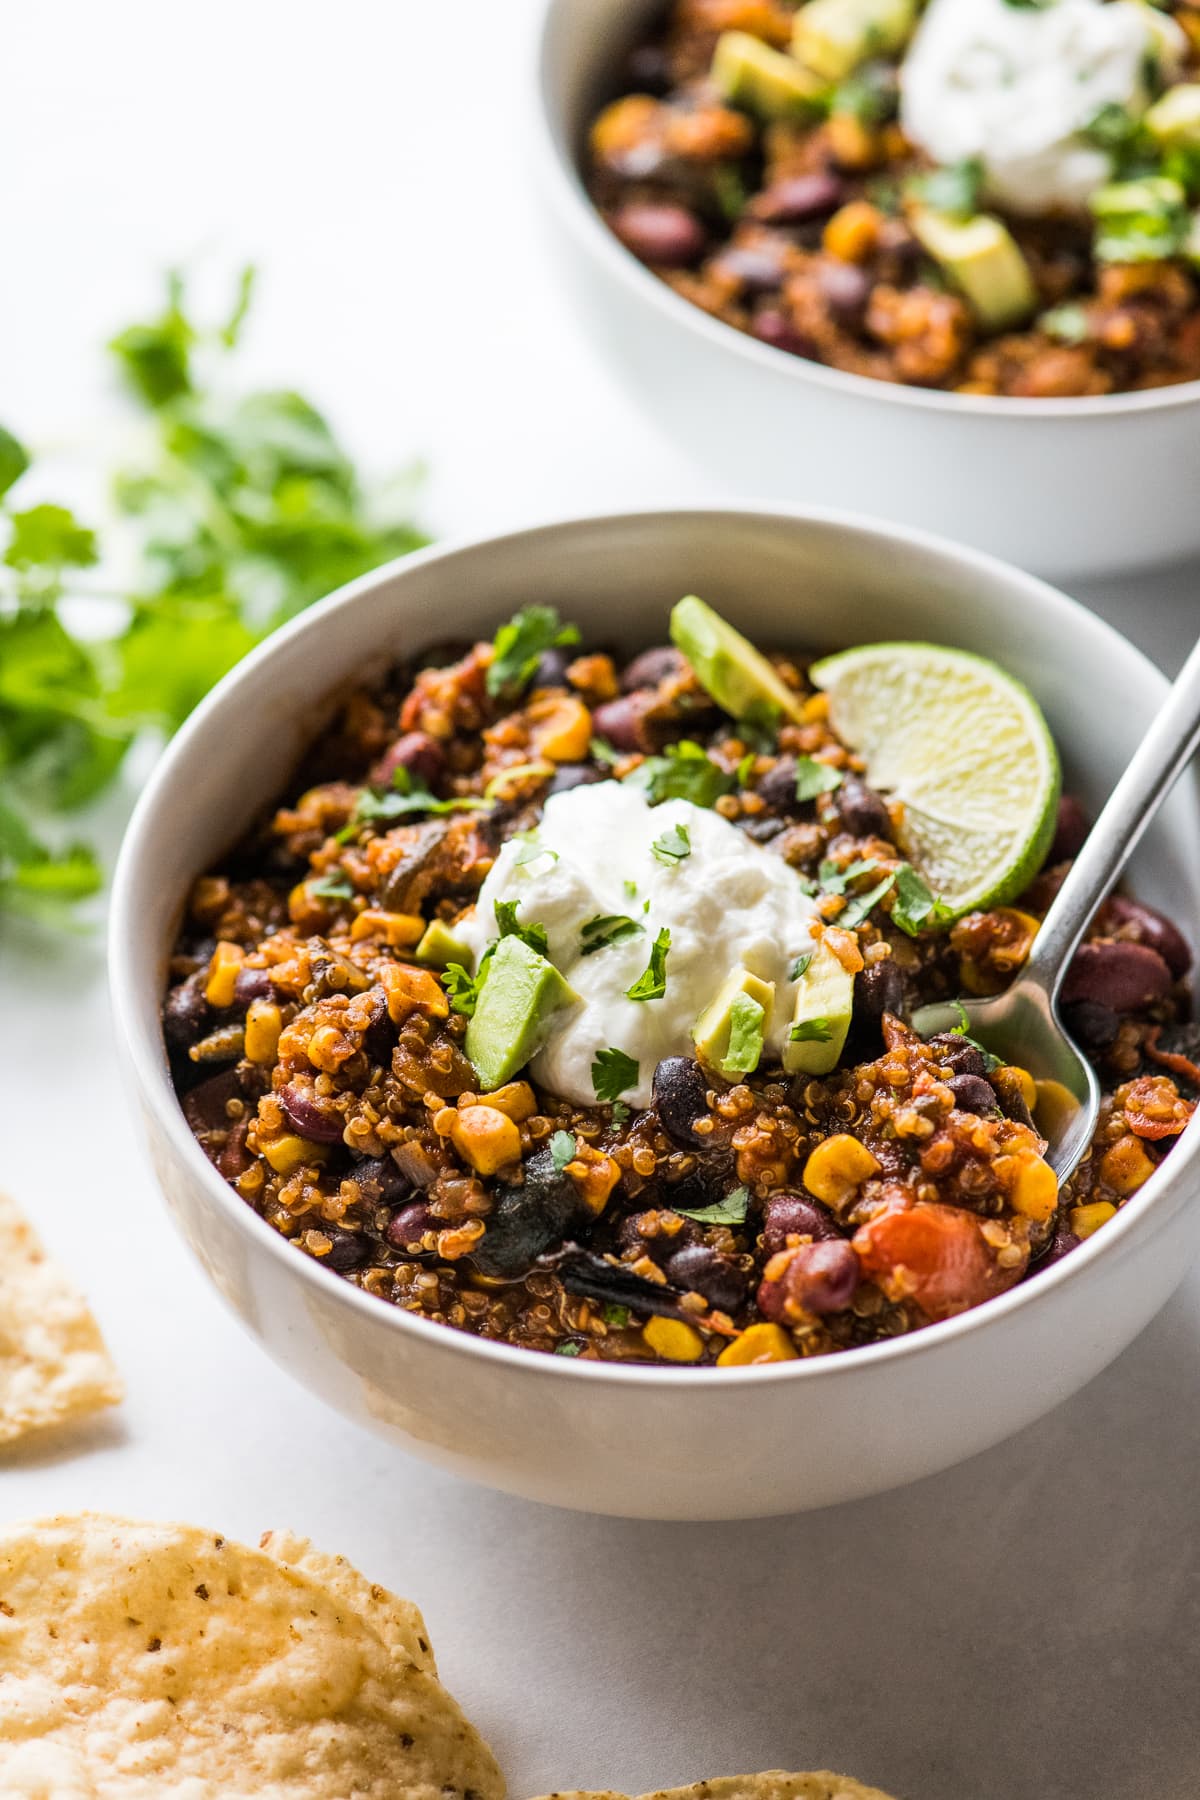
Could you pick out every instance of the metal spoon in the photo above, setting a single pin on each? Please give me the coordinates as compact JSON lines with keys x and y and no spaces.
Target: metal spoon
{"x":1022,"y":1024}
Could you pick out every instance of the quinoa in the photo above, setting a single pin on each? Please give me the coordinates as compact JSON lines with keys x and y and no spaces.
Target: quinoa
{"x":321,"y":1064}
{"x":800,"y":232}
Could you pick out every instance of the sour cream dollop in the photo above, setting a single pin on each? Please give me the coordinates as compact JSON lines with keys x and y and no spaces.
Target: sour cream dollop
{"x":728,"y":903}
{"x":1015,"y":85}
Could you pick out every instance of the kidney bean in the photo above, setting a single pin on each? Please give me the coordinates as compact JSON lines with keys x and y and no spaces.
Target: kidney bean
{"x":775,"y":328}
{"x":697,"y":1269}
{"x":861,"y":810}
{"x":186,"y":1016}
{"x":660,"y":232}
{"x":235,"y":1159}
{"x":251,"y":985}
{"x":822,"y":1277}
{"x":1071,"y":830}
{"x":648,"y":69}
{"x":799,"y":197}
{"x":964,"y":1058}
{"x":1061,"y":1244}
{"x":792,"y":1215}
{"x":348,"y":1250}
{"x":1149,"y":927}
{"x":1122,"y":976}
{"x":972,"y":1093}
{"x":846,"y":291}
{"x":758,"y":271}
{"x":417,"y":752}
{"x":573,"y":775}
{"x":650,"y":667}
{"x":552,"y":667}
{"x":1092,"y":1025}
{"x":204,"y":1107}
{"x":878,"y":989}
{"x":379,"y":1038}
{"x":304,"y":1116}
{"x":379,"y":1179}
{"x":407,"y":1227}
{"x":681,"y":1097}
{"x":623,"y":722}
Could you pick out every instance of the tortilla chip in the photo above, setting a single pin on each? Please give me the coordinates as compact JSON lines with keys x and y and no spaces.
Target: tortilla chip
{"x":53,"y":1363}
{"x":138,"y":1660}
{"x":398,"y":1622}
{"x":773,"y":1784}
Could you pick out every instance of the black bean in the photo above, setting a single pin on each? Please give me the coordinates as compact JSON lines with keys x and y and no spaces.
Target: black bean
{"x":552,"y":667}
{"x":846,"y":291}
{"x":698,"y":1270}
{"x":681,"y":1099}
{"x":794,"y":1215}
{"x":963,"y":1058}
{"x":651,"y":667}
{"x":187,"y":1016}
{"x":250,"y":985}
{"x":861,"y":810}
{"x":775,"y":328}
{"x":648,"y":69}
{"x":573,"y":775}
{"x":973,"y":1094}
{"x":1120,"y":975}
{"x":758,"y":271}
{"x":379,"y":1180}
{"x":622,"y":723}
{"x":1061,"y":1244}
{"x":1093,"y":1026}
{"x":379,"y":1038}
{"x":660,"y":232}
{"x":799,"y":197}
{"x":878,"y":989}
{"x":778,"y":786}
{"x":527,"y":1218}
{"x":205,"y":1107}
{"x":306,"y":1117}
{"x":348,"y":1251}
{"x":1071,"y":830}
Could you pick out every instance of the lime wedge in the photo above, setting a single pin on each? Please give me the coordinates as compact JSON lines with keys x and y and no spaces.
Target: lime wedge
{"x":966,"y":749}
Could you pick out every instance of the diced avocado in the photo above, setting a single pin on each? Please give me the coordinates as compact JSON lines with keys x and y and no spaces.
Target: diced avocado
{"x":738,"y":677}
{"x":1140,"y":221}
{"x":1175,"y":119}
{"x":832,"y":37}
{"x":727,"y":1027}
{"x":520,"y":993}
{"x":439,"y":947}
{"x":1151,"y":195}
{"x":824,"y":1003}
{"x":983,"y":260}
{"x":764,"y":81}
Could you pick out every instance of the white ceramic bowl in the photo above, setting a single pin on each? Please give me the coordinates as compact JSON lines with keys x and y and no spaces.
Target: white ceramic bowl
{"x":656,"y":1442}
{"x":1062,"y":486}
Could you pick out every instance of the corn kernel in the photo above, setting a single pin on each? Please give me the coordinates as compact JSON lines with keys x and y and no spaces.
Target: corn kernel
{"x":1126,"y":1166}
{"x":758,"y":1344}
{"x":853,"y":144}
{"x":560,"y":728}
{"x":853,"y":231}
{"x":595,"y":1175}
{"x":516,"y":1100}
{"x":400,"y":930}
{"x":486,"y":1138}
{"x":673,"y":1340}
{"x":227,"y":959}
{"x":264,"y":1022}
{"x":837,"y":1167}
{"x":409,"y":990}
{"x":1024,"y":1081}
{"x":328,"y":1048}
{"x":1086,"y":1219}
{"x":288,"y":1153}
{"x":1035,"y":1190}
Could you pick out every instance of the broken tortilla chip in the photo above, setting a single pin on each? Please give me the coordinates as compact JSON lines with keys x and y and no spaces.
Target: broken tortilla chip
{"x":773,"y":1784}
{"x":138,"y":1660}
{"x":53,"y":1363}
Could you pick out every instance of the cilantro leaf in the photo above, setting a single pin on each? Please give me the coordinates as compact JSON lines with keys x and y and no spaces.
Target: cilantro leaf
{"x":604,"y":929}
{"x":746,"y":1022}
{"x":613,"y":1073}
{"x":651,"y":984}
{"x":568,"y":1349}
{"x":800,"y":965}
{"x":834,"y":880}
{"x":914,"y":904}
{"x":520,"y":644}
{"x":335,"y":886}
{"x":731,"y":1210}
{"x":616,"y":1315}
{"x":811,"y":1031}
{"x":49,"y":537}
{"x":462,"y":988}
{"x":682,"y":772}
{"x":531,"y":851}
{"x":858,"y":906}
{"x":532,"y":934}
{"x":813,"y":778}
{"x":562,"y":1149}
{"x":672,"y":846}
{"x":14,"y":460}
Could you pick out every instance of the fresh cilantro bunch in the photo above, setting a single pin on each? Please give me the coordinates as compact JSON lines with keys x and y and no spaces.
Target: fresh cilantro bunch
{"x":242,"y":509}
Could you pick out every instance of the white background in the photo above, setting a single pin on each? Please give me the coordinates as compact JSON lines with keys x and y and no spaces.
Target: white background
{"x":1026,"y":1625}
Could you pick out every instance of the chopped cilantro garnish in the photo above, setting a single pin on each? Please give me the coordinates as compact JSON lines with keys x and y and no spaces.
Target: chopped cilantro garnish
{"x":616,"y":1315}
{"x":731,"y":1210}
{"x":520,"y":644}
{"x":531,"y":851}
{"x":955,"y":190}
{"x":683,"y":772}
{"x":630,"y":888}
{"x":613,"y":1073}
{"x":745,"y":768}
{"x":672,"y":846}
{"x":602,"y":751}
{"x":858,"y":906}
{"x":914,"y":902}
{"x":604,"y":929}
{"x":333,"y":887}
{"x":758,"y":726}
{"x":813,"y":778}
{"x":530,"y":933}
{"x":620,"y":1112}
{"x":746,"y":1021}
{"x":835,"y":880}
{"x":811,"y":1031}
{"x":800,"y":965}
{"x":568,"y":1350}
{"x":651,"y":984}
{"x":462,"y":988}
{"x":562,"y":1149}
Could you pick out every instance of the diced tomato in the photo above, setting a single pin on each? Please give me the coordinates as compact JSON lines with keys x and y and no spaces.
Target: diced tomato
{"x":935,"y":1256}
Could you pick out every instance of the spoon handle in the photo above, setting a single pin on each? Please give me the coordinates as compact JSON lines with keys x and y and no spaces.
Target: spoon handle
{"x":1157,"y":764}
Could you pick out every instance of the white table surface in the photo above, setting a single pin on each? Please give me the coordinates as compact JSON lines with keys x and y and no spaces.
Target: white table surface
{"x":1027,"y":1625}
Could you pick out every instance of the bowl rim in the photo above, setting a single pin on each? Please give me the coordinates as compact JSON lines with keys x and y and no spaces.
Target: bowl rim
{"x":561,"y":175}
{"x":144,"y":1058}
